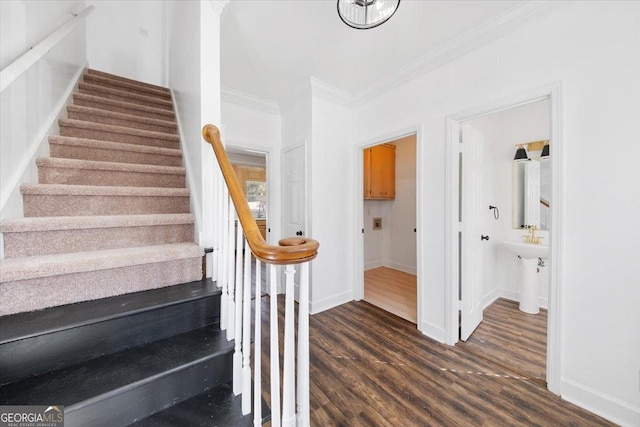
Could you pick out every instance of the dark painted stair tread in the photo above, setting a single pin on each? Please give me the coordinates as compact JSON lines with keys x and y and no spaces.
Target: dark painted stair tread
{"x":75,"y":385}
{"x":217,"y":407}
{"x":25,"y":325}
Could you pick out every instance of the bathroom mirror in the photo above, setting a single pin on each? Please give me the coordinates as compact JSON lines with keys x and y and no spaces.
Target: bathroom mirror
{"x":532,"y":192}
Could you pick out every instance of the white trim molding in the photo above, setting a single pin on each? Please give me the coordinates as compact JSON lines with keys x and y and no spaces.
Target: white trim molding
{"x":331,"y":302}
{"x":244,"y":99}
{"x":601,"y":404}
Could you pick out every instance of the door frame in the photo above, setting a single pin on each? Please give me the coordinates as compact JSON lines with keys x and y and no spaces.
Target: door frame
{"x":358,"y":218}
{"x":554,"y":92}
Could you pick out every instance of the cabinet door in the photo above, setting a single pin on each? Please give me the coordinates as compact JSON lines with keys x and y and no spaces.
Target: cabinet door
{"x":383,"y":172}
{"x":367,"y":173}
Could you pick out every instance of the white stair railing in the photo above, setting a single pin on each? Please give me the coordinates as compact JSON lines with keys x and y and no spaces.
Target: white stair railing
{"x":238,"y":242}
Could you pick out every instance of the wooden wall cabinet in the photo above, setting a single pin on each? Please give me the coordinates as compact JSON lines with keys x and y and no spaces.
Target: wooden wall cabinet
{"x":380,"y":172}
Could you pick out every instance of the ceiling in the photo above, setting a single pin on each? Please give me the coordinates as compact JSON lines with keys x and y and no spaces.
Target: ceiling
{"x":269,"y":47}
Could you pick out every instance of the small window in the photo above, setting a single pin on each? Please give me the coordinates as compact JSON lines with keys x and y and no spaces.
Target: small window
{"x":256,"y":192}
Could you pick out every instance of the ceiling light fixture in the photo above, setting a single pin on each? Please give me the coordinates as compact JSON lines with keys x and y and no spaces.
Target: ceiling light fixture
{"x":365,"y":14}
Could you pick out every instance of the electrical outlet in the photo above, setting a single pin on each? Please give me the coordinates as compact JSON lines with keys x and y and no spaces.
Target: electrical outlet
{"x":377,"y":224}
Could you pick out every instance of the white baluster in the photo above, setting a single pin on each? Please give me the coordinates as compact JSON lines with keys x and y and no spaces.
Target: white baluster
{"x":246,"y":333}
{"x":237,"y":353}
{"x":274,"y":350}
{"x":223,"y":263}
{"x":257,"y":344}
{"x":288,"y":376}
{"x":303,"y":348}
{"x":231,"y":306}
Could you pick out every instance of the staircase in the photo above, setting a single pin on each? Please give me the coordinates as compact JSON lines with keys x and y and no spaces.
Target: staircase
{"x":91,"y":319}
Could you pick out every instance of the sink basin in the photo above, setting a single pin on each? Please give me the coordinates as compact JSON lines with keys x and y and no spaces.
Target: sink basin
{"x":527,"y":250}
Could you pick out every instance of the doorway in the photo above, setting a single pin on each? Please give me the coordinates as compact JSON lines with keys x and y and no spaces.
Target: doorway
{"x":250,"y":167}
{"x":482,"y":274}
{"x":389,"y":243}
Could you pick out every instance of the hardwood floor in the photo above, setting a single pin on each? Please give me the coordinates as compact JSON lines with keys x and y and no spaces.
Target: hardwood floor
{"x":512,"y":339}
{"x":371,"y":368}
{"x":392,"y":290}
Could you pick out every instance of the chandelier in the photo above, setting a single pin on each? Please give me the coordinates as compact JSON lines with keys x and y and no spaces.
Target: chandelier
{"x":365,"y":14}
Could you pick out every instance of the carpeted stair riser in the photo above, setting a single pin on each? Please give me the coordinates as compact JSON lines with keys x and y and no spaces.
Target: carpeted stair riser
{"x":84,"y":172}
{"x":98,"y":102}
{"x":126,"y":80}
{"x":88,"y":130}
{"x":26,"y":295}
{"x":40,"y":201}
{"x":121,"y":95}
{"x":77,"y":112}
{"x":38,"y":342}
{"x":125,"y":86}
{"x":105,"y":151}
{"x":48,"y":236}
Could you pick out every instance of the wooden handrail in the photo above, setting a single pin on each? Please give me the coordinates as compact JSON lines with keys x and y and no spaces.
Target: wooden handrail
{"x":294,"y":250}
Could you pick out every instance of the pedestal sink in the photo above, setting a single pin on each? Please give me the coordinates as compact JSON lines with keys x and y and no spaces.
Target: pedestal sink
{"x":529,"y":253}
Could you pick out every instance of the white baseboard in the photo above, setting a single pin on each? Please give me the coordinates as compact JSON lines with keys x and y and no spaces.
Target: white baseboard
{"x":330,"y":302}
{"x":490,"y":298}
{"x":373,"y":264}
{"x":433,"y":331}
{"x":401,"y":267}
{"x":600,"y":404}
{"x":515,"y":296}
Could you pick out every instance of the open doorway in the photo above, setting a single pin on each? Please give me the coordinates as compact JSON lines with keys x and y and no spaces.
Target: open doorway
{"x":505,"y":205}
{"x":250,"y":167}
{"x":389,"y":232}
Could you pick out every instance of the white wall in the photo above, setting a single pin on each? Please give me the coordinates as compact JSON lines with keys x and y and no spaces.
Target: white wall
{"x":255,"y":129}
{"x":127,"y":38}
{"x":402,"y":215}
{"x":376,"y":242}
{"x":31,"y":105}
{"x":193,"y":62}
{"x":331,"y":202}
{"x":598,"y":71}
{"x":502,"y":131}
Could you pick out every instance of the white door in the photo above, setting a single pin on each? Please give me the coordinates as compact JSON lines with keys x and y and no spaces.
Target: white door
{"x":471,"y":261}
{"x":294,"y":194}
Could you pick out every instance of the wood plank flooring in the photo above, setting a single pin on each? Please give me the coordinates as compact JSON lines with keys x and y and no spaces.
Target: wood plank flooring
{"x":371,"y":368}
{"x":512,"y":339}
{"x":392,"y":290}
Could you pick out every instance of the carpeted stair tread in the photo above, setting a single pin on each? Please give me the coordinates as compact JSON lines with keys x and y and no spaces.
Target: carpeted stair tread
{"x":111,"y":129}
{"x":15,"y":269}
{"x":123,"y":95}
{"x":90,"y":190}
{"x":123,"y":85}
{"x":97,"y":115}
{"x":22,"y":326}
{"x":38,"y":236}
{"x":95,"y":149}
{"x":135,"y":373}
{"x":125,"y":79}
{"x":93,"y":101}
{"x":57,"y":223}
{"x":108,"y":166}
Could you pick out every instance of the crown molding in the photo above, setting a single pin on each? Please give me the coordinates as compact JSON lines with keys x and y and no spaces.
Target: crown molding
{"x":459,"y":46}
{"x":330,"y":93}
{"x":244,"y":99}
{"x":221,"y":4}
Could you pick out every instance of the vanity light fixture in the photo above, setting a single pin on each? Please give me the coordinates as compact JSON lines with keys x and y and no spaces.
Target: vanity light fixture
{"x":545,"y":150}
{"x":365,"y":14}
{"x":521,"y":154}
